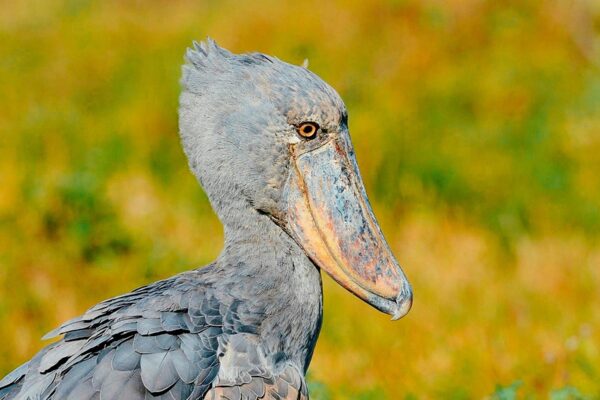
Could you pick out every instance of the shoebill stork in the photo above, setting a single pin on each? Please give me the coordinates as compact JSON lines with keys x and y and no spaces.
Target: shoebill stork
{"x":269,"y":143}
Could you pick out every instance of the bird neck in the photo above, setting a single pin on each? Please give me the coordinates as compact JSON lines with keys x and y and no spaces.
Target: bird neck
{"x":256,"y":241}
{"x":276,"y":273}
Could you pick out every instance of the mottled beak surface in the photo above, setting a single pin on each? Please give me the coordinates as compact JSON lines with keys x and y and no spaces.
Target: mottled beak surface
{"x":329,"y":215}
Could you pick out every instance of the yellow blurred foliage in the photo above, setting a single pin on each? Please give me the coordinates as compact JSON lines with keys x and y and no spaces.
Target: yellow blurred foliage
{"x":476,"y":126}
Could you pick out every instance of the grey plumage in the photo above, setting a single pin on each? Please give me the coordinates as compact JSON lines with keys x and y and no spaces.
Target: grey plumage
{"x":175,"y":352}
{"x":245,"y":326}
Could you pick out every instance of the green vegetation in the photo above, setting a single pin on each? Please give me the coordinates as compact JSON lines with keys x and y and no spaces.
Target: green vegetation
{"x":477,"y":130}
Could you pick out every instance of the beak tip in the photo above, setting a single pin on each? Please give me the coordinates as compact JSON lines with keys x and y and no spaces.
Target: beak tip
{"x":404,"y":302}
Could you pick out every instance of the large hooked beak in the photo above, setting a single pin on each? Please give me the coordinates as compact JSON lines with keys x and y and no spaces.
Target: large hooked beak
{"x":329,"y":215}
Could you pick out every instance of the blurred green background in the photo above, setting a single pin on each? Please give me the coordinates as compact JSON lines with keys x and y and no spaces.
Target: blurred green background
{"x":477,"y":130}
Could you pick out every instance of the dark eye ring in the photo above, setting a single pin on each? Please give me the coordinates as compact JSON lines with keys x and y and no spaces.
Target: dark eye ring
{"x":308,"y":130}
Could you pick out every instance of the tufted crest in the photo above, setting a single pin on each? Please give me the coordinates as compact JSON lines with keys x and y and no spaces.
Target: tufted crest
{"x":204,"y":62}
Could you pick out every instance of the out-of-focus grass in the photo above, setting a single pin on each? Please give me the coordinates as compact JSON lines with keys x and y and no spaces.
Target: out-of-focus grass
{"x":477,"y":128}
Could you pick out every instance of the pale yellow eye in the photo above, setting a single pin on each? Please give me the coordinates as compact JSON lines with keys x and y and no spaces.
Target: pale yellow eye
{"x":308,"y":130}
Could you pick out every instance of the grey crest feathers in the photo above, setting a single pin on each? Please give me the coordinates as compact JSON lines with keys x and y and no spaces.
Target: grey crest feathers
{"x":206,"y":60}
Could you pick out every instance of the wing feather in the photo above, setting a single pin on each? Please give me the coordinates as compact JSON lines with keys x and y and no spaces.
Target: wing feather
{"x":176,"y":339}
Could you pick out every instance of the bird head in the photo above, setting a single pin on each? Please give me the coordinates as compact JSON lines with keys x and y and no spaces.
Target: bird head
{"x":273,"y":137}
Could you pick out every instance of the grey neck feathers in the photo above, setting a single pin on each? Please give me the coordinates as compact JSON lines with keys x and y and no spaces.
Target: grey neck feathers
{"x":276,"y":272}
